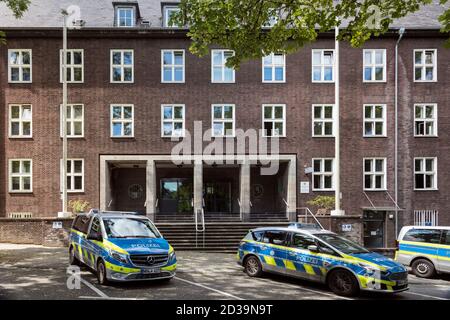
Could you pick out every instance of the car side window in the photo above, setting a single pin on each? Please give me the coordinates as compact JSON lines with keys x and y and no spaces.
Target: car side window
{"x":447,"y":237}
{"x":423,"y":235}
{"x":323,"y":248}
{"x":301,"y":241}
{"x":81,"y":224}
{"x":275,"y":237}
{"x":257,"y":236}
{"x":95,"y":228}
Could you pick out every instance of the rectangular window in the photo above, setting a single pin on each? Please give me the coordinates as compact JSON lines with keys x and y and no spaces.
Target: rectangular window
{"x":425,"y":120}
{"x":425,"y":173}
{"x":429,"y":218}
{"x":322,"y":65}
{"x":223,"y":120}
{"x":274,"y":68}
{"x":172,"y":69}
{"x":19,"y":65}
{"x":74,"y":175}
{"x":20,"y":175}
{"x":374,"y":174}
{"x":374,"y":65}
{"x":75,"y":66}
{"x":172,"y":120}
{"x":374,"y":120}
{"x":20,"y":121}
{"x":425,"y":65}
{"x":125,"y":17}
{"x":122,"y":66}
{"x":122,"y":121}
{"x":323,"y":118}
{"x":168,"y":12}
{"x":220,"y":73}
{"x":74,"y":120}
{"x":323,"y":174}
{"x":274,"y":120}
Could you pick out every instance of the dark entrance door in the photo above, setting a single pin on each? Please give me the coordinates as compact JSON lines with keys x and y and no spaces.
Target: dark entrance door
{"x":217,"y":197}
{"x":129,"y":189}
{"x":176,"y":195}
{"x":374,"y":228}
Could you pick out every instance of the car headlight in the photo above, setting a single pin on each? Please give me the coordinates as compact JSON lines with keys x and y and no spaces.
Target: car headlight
{"x":370,"y":270}
{"x":119,"y":256}
{"x":172,"y":255}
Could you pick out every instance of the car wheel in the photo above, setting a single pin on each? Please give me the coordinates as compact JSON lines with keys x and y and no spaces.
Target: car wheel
{"x":101,"y":273}
{"x":73,"y":260}
{"x":423,"y":268}
{"x":343,"y":283}
{"x":253,"y":267}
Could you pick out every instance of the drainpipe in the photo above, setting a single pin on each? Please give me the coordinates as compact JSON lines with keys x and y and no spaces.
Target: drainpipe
{"x":401,"y":32}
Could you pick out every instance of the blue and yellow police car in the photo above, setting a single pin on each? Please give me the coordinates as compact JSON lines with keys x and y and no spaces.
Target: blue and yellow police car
{"x":120,"y":247}
{"x":322,"y":256}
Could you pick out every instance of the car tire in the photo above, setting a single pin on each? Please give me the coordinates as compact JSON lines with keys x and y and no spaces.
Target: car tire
{"x":101,"y":273}
{"x":423,"y":268}
{"x":73,"y":260}
{"x":343,"y":283}
{"x":253,"y":267}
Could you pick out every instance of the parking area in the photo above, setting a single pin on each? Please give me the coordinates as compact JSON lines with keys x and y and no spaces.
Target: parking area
{"x":33,"y":272}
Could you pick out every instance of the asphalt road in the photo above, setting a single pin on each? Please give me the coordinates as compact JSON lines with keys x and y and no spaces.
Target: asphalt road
{"x":40,"y":273}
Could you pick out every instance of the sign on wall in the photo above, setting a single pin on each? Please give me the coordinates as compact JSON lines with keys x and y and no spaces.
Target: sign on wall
{"x":346,"y":227}
{"x":304,"y":186}
{"x":57,"y":225}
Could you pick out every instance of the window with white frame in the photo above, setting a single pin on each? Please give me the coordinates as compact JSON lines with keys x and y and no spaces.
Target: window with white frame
{"x":322,"y":65}
{"x":20,"y":121}
{"x":168,"y":13}
{"x":19,"y":65}
{"x":374,"y":174}
{"x":323,"y":174}
{"x":323,"y":119}
{"x":274,"y":120}
{"x":219,"y":71}
{"x":223,"y":120}
{"x":75,"y":65}
{"x":74,"y":175}
{"x":20,"y":175}
{"x":374,"y":120}
{"x":172,"y":69}
{"x":374,"y":65}
{"x":425,"y":120}
{"x":125,"y":16}
{"x":74,"y":120}
{"x":425,"y":173}
{"x":122,"y":66}
{"x":427,"y":218}
{"x":172,"y":120}
{"x":122,"y":121}
{"x":425,"y":65}
{"x":274,"y":68}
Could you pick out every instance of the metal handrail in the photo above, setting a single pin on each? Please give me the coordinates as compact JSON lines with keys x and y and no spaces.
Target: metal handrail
{"x":157,"y":203}
{"x":239,"y":202}
{"x":202,"y":213}
{"x":110,"y":202}
{"x":286,"y":203}
{"x":307,"y":211}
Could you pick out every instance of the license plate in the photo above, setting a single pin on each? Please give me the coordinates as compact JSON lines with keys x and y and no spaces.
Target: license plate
{"x":402,"y":282}
{"x":153,"y":270}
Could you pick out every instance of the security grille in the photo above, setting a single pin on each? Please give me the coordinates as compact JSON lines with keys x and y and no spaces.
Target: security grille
{"x":426,"y":218}
{"x":20,"y":215}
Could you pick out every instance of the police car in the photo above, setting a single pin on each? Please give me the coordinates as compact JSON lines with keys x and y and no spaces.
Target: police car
{"x":120,"y":247}
{"x":425,"y":249}
{"x":321,"y":256}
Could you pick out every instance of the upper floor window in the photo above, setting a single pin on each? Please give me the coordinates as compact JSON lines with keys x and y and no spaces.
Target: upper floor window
{"x":220,"y":72}
{"x":322,"y":65}
{"x":122,"y":121}
{"x":425,"y":120}
{"x":75,"y":65}
{"x":425,"y":173}
{"x":374,"y":120}
{"x":19,"y":65}
{"x":323,"y":120}
{"x":74,"y":120}
{"x":323,"y":174}
{"x":126,"y":16}
{"x":172,"y":69}
{"x":374,"y":65}
{"x":172,"y":120}
{"x":20,"y":175}
{"x":375,"y":174}
{"x":168,"y":12}
{"x":274,"y":68}
{"x":74,"y":175}
{"x":223,"y":120}
{"x":20,"y":121}
{"x":425,"y":65}
{"x":274,"y":120}
{"x":122,"y":66}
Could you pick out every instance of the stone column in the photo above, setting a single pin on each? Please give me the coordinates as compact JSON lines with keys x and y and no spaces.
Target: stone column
{"x":245,"y":191}
{"x":198,"y":185}
{"x":105,"y":185}
{"x":292,"y":190}
{"x":151,"y":190}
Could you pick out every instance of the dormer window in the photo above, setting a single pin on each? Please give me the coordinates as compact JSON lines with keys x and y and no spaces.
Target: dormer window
{"x":168,"y":11}
{"x":126,"y":16}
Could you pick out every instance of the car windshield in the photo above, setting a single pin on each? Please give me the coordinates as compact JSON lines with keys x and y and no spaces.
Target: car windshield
{"x":129,"y":228}
{"x":342,"y":244}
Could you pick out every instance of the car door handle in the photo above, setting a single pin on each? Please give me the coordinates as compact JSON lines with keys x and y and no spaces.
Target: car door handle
{"x":291,"y":253}
{"x":263,"y":247}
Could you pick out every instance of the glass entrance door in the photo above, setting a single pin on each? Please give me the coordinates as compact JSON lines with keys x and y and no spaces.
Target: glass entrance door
{"x":374,"y":228}
{"x":217,"y":197}
{"x":176,"y":195}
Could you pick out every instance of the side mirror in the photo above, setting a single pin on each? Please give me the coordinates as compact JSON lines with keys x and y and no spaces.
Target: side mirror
{"x":313,"y":248}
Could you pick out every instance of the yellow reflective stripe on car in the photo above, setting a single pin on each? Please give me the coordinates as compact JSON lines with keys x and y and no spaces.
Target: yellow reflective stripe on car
{"x":415,"y":253}
{"x":309,"y":269}
{"x":270,"y":260}
{"x":424,"y":244}
{"x":364,"y":280}
{"x":118,"y":268}
{"x":109,"y":245}
{"x":359,"y":260}
{"x":81,"y":234}
{"x":170,"y":249}
{"x":170,"y":268}
{"x":289,"y":265}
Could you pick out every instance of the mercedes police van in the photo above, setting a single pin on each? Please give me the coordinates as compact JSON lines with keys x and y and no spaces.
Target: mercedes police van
{"x":425,"y":249}
{"x":120,"y":247}
{"x":320,"y":255}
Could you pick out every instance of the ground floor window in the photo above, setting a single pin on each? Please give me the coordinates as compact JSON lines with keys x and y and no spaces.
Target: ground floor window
{"x":374,"y":174}
{"x":323,"y":174}
{"x":75,"y":175}
{"x":20,"y":175}
{"x":425,"y":173}
{"x":426,"y":218}
{"x":176,"y":195}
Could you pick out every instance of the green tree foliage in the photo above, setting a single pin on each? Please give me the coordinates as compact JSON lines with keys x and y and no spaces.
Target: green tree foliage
{"x":239,"y":24}
{"x":18,"y":7}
